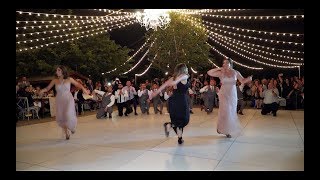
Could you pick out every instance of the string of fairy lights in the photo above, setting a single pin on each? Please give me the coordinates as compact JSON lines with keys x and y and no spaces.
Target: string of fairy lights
{"x":256,"y":38}
{"x":254,"y":17}
{"x":254,"y":49}
{"x":74,"y":38}
{"x":213,"y":62}
{"x":267,"y":64}
{"x":114,"y":12}
{"x":188,"y":11}
{"x":213,"y":48}
{"x":200,"y":25}
{"x":254,"y":54}
{"x":236,"y":62}
{"x":261,"y":46}
{"x":75,"y":33}
{"x":147,"y":69}
{"x":100,"y":24}
{"x":140,"y":59}
{"x":107,"y":18}
{"x":72,"y":27}
{"x":61,"y":15}
{"x":253,"y":30}
{"x":62,"y":30}
{"x":131,"y":57}
{"x":84,"y":22}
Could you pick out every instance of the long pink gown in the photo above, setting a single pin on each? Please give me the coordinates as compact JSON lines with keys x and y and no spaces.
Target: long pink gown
{"x":228,"y":122}
{"x":65,"y":107}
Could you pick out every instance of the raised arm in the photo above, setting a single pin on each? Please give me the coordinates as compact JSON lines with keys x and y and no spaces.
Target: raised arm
{"x":170,"y":82}
{"x":242,"y":79}
{"x":46,"y":89}
{"x":75,"y":83}
{"x":215,"y":72}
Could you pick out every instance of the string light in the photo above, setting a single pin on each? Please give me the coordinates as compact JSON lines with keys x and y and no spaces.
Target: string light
{"x":212,"y":63}
{"x":107,"y":18}
{"x":253,"y":30}
{"x":272,"y":65}
{"x":114,"y":12}
{"x":200,"y":26}
{"x":72,"y":24}
{"x":67,"y":40}
{"x":249,"y":67}
{"x":265,"y":52}
{"x":59,"y":15}
{"x":195,"y":72}
{"x":270,"y":59}
{"x":144,"y":70}
{"x":186,"y":11}
{"x":253,"y":17}
{"x":256,"y":38}
{"x":139,"y":60}
{"x":60,"y":36}
{"x":220,"y":10}
{"x":260,"y":46}
{"x":131,"y":56}
{"x":148,"y":66}
{"x":71,"y":34}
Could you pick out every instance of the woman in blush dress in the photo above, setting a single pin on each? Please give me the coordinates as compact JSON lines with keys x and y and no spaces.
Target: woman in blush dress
{"x":65,"y":107}
{"x":228,"y":122}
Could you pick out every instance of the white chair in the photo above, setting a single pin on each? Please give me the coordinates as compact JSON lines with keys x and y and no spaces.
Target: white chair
{"x":25,"y":109}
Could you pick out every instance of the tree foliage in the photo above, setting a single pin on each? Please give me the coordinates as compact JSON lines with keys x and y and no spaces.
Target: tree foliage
{"x":89,"y":56}
{"x":180,"y":42}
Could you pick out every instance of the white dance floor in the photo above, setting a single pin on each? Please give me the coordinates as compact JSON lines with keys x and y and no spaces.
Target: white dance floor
{"x":138,"y":143}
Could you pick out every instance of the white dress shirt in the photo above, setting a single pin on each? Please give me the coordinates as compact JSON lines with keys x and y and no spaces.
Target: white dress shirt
{"x":112,"y":98}
{"x":123,"y":97}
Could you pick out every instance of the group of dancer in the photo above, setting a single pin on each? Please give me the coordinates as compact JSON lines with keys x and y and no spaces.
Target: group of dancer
{"x":228,"y":123}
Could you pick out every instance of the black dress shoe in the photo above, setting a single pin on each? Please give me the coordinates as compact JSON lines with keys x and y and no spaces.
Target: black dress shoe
{"x":191,"y":112}
{"x":241,"y":113}
{"x":228,"y":136}
{"x":180,"y":140}
{"x":135,"y":113}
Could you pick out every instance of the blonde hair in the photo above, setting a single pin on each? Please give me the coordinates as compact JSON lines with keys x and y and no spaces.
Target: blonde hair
{"x":180,"y":69}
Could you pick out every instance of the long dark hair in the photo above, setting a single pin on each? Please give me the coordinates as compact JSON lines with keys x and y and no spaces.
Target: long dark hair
{"x":64,"y":70}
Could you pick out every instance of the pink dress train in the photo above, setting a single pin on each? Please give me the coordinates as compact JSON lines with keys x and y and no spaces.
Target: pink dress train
{"x":228,"y":122}
{"x":65,"y":107}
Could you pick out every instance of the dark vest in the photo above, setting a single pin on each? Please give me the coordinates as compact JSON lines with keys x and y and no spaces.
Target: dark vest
{"x":106,"y":99}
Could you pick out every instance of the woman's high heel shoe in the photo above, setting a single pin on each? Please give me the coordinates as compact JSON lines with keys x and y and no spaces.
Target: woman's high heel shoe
{"x":67,"y":136}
